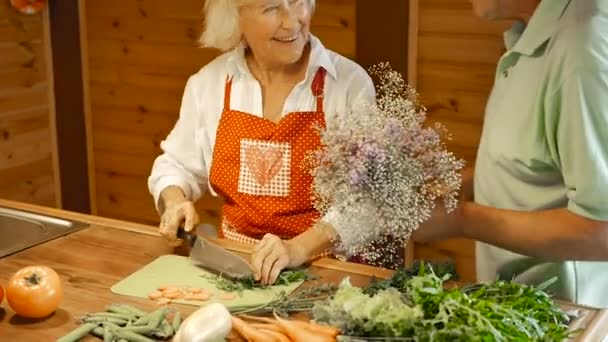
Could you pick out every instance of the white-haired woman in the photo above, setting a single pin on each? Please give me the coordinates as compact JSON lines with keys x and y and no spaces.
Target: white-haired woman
{"x":247,"y":121}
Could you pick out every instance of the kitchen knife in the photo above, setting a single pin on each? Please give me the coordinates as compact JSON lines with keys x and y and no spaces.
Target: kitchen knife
{"x":213,"y":257}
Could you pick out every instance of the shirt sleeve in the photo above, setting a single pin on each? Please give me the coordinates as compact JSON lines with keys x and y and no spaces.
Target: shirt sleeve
{"x":582,"y":141}
{"x":181,"y":163}
{"x":360,"y":95}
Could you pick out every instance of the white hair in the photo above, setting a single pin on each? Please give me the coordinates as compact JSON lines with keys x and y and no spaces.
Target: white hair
{"x":221,"y":24}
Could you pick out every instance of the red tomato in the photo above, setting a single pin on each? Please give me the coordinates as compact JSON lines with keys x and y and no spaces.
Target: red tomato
{"x":34,"y":291}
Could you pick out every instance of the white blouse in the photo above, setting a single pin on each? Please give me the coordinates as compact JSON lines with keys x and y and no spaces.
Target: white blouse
{"x":188,"y":149}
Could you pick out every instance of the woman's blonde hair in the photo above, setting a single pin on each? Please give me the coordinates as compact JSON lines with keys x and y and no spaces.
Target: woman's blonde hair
{"x":221,"y":27}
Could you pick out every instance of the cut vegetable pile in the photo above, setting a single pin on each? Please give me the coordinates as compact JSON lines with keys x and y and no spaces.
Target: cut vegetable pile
{"x":420,"y":307}
{"x":164,"y":295}
{"x":126,"y":323}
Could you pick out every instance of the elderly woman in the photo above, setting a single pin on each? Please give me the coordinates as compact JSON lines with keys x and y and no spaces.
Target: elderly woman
{"x":247,"y":121}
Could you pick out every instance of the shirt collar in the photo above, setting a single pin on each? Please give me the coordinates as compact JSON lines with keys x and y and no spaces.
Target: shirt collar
{"x":527,"y":39}
{"x":319,"y":58}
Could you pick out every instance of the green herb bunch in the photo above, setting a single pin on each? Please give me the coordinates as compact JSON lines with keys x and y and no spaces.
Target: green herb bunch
{"x":419,"y":307}
{"x":286,"y":277}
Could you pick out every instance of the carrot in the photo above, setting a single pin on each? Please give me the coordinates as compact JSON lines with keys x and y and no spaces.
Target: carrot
{"x":267,"y":326}
{"x":248,"y":332}
{"x":278,"y":336}
{"x":299,"y":334}
{"x":259,"y":319}
{"x":318,"y":328}
{"x":235,"y":337}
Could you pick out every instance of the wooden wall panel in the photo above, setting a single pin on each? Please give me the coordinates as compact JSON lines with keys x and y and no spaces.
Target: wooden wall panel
{"x":27,"y":148}
{"x":140,"y":54}
{"x":455,"y":58}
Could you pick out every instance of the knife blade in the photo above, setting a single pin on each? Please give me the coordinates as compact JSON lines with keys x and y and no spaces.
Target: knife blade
{"x":215,"y":258}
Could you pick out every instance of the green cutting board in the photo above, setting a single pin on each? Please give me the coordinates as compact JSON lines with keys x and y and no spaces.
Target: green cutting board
{"x":179,"y":271}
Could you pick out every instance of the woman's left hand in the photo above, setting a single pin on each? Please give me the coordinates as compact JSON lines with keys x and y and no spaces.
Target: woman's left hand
{"x":271,"y":255}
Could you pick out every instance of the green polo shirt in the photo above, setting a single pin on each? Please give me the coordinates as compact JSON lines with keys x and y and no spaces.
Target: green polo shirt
{"x":545,"y":138}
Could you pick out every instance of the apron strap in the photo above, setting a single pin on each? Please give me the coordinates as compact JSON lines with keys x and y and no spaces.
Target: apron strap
{"x":318,"y":88}
{"x":227,"y":92}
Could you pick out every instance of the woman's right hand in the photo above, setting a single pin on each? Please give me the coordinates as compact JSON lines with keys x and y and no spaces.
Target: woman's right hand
{"x":175,"y":214}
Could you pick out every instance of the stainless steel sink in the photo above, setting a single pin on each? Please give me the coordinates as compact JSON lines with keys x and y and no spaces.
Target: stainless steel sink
{"x":20,"y":230}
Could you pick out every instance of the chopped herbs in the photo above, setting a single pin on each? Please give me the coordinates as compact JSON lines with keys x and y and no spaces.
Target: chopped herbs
{"x":239,"y":285}
{"x":418,"y":306}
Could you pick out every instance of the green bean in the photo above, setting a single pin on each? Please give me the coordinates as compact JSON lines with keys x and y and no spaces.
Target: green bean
{"x":111,"y":315}
{"x":116,"y":321}
{"x":157,"y":317}
{"x":108,"y":336}
{"x":98,"y":331}
{"x":110,"y":325}
{"x":131,"y":336}
{"x":177,"y":321}
{"x":126,"y":309}
{"x":141,"y":329}
{"x":78,"y":333}
{"x":166,"y":330}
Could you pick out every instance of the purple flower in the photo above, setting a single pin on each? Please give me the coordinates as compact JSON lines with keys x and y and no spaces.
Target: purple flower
{"x":393,"y":128}
{"x":356,"y":177}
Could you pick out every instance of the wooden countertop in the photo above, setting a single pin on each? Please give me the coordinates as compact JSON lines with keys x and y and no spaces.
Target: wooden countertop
{"x":90,"y":261}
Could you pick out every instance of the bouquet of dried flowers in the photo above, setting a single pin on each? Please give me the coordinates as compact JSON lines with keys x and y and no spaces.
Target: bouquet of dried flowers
{"x":382,"y":171}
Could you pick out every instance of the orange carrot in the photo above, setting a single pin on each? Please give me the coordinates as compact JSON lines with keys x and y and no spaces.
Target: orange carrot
{"x":258,"y":319}
{"x":267,"y":326}
{"x":278,"y":336}
{"x":318,"y":328}
{"x":299,"y":334}
{"x":248,"y":332}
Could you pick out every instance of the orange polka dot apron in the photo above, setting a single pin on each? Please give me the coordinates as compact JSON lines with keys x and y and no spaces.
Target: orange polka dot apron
{"x":258,"y":169}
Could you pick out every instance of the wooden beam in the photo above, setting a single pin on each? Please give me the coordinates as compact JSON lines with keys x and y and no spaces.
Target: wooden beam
{"x":69,"y":107}
{"x":382,"y":33}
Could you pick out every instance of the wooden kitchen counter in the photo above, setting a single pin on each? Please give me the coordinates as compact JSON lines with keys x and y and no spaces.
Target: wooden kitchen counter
{"x":92,"y":260}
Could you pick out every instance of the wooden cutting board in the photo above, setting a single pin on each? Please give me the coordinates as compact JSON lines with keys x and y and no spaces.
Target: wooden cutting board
{"x":179,"y":271}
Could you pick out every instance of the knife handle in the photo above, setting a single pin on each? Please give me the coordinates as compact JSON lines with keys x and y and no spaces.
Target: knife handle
{"x":186,"y":236}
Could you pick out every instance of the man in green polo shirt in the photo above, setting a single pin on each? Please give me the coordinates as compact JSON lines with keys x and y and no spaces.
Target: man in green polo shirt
{"x":540,"y":182}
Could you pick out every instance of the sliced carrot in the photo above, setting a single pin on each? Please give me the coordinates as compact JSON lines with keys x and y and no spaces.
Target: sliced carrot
{"x":227,"y":296}
{"x":195,"y":290}
{"x":155,"y":295}
{"x":163,"y":301}
{"x":173,"y":295}
{"x":197,"y":296}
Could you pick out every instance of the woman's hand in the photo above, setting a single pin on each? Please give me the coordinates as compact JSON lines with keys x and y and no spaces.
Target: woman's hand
{"x":271,"y":255}
{"x":175,"y":213}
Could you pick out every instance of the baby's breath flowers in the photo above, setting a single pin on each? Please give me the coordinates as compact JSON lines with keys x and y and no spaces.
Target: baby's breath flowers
{"x":381,"y":171}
